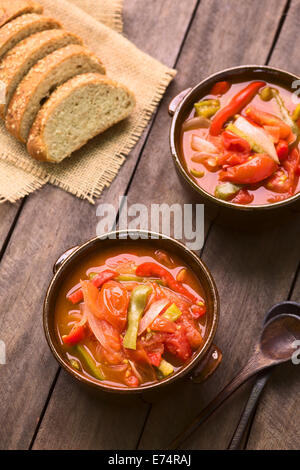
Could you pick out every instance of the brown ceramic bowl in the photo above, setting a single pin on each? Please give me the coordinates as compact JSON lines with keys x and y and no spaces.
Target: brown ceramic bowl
{"x":226,"y":212}
{"x":203,"y":362}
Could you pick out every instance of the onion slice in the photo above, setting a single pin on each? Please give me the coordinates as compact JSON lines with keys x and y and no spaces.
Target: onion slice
{"x":257,"y":137}
{"x":153,"y":311}
{"x":200,"y":157}
{"x":202,"y":145}
{"x":199,"y":122}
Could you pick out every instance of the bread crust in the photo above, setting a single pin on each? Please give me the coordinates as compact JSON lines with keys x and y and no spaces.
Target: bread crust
{"x":15,"y":59}
{"x":10,"y":9}
{"x":35,"y":145}
{"x":39,"y":74}
{"x":22,"y":27}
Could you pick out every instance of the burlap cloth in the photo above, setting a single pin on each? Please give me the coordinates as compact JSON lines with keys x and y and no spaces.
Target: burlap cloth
{"x":93,"y":167}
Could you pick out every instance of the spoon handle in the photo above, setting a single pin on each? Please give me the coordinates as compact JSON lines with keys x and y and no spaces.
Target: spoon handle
{"x":249,"y":410}
{"x":255,"y":364}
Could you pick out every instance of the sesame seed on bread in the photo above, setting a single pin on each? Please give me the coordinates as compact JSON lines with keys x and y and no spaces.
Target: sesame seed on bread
{"x":19,"y":60}
{"x":22,"y":27}
{"x":41,"y":80}
{"x":10,"y":9}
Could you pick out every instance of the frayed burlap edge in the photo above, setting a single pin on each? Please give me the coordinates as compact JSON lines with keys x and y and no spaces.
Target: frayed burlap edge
{"x":117,"y":17}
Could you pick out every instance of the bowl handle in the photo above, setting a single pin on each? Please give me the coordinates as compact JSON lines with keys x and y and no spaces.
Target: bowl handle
{"x":177,"y":100}
{"x":60,"y":261}
{"x":208,"y":365}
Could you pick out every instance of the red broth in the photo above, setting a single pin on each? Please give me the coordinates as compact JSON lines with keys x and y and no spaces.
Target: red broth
{"x":261,"y":192}
{"x":162,"y":348}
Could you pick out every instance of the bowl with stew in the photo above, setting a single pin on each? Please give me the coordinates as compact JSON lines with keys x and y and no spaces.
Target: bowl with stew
{"x":133,"y":311}
{"x":234,"y":140}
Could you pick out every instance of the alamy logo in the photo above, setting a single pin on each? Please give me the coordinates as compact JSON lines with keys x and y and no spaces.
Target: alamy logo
{"x":296,"y":354}
{"x":178,"y":221}
{"x":2,"y":353}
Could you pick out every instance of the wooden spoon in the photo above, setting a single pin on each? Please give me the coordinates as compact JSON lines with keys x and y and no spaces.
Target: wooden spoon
{"x":240,"y":434}
{"x":275,"y":346}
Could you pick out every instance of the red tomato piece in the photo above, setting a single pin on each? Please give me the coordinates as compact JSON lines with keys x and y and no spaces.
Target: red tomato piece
{"x":76,"y":296}
{"x":132,"y":381}
{"x":285,"y":180}
{"x":113,"y":304}
{"x":191,"y":331}
{"x":152,"y":269}
{"x":90,"y":297}
{"x":98,"y":281}
{"x":181,"y":302}
{"x":282,"y":150}
{"x":243,"y":197}
{"x":235,"y":143}
{"x":163,"y":324}
{"x":198,"y":311}
{"x":140,"y":354}
{"x":178,"y":344}
{"x":155,"y":358}
{"x":75,"y":336}
{"x":220,"y":88}
{"x":231,"y":159}
{"x":258,"y":168}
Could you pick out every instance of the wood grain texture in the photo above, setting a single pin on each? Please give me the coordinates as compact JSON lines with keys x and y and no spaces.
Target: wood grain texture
{"x":51,"y":222}
{"x":277,"y":421}
{"x":7,"y":216}
{"x":242,"y":264}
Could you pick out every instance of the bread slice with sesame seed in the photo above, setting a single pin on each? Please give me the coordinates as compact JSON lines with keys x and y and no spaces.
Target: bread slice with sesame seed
{"x":10,"y":9}
{"x":22,"y":27}
{"x":44,"y":77}
{"x":78,"y":110}
{"x":19,"y":60}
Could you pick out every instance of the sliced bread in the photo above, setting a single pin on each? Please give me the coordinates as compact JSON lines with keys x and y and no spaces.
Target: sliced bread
{"x":22,"y":27}
{"x":41,"y":80}
{"x":10,"y":9}
{"x":78,"y":110}
{"x":19,"y":60}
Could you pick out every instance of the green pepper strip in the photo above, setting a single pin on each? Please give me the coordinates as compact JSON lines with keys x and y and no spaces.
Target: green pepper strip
{"x":138,"y":300}
{"x":226,"y":191}
{"x":207,"y":108}
{"x":165,"y":368}
{"x":172,"y":313}
{"x":89,"y":362}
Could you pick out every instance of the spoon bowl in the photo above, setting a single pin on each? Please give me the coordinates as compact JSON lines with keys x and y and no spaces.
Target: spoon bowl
{"x":277,"y":340}
{"x":284,"y":307}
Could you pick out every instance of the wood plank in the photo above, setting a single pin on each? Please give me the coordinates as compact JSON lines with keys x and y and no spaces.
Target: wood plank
{"x":8,"y":213}
{"x":276,"y":424}
{"x":52,"y":221}
{"x":277,"y":421}
{"x":239,"y":275}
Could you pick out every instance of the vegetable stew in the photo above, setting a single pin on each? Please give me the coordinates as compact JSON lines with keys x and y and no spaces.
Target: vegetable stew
{"x":130,"y":316}
{"x":240,"y":142}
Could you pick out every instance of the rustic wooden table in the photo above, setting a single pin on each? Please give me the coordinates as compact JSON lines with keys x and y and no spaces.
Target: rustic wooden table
{"x":41,"y":407}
